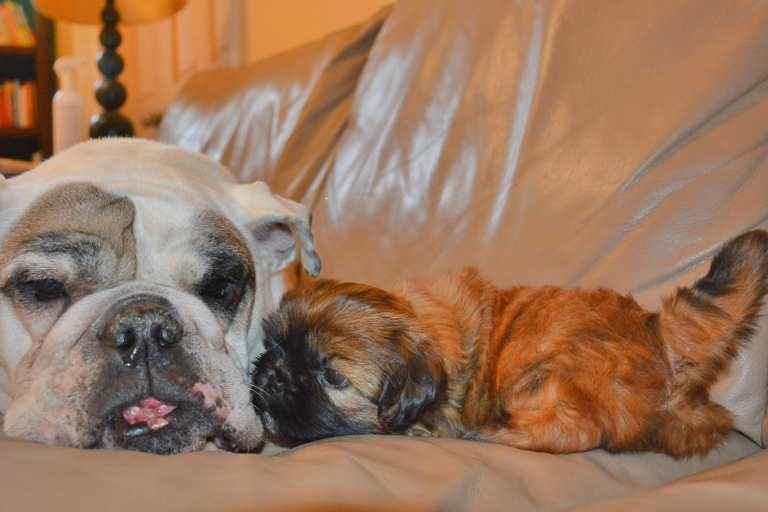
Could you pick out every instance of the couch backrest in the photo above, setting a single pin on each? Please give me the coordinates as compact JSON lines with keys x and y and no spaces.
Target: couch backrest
{"x":601,"y":142}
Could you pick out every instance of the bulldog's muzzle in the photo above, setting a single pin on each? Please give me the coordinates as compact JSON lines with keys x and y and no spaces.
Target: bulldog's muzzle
{"x":141,"y":327}
{"x":152,"y":374}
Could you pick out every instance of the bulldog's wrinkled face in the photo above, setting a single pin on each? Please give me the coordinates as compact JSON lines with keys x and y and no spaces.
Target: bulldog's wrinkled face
{"x":131,"y":314}
{"x":134,"y":276}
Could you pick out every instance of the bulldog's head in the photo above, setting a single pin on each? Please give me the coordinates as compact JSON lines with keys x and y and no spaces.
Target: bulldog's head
{"x":133,"y":280}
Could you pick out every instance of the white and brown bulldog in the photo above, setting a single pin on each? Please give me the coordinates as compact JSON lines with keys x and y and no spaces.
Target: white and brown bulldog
{"x":133,"y":280}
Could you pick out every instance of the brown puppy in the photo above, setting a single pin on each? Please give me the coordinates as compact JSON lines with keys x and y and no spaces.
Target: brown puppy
{"x":540,"y":368}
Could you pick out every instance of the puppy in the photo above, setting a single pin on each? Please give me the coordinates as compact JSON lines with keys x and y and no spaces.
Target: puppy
{"x":539,"y":368}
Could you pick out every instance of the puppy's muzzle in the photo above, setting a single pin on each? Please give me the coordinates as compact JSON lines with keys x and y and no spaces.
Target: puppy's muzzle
{"x":140,"y":327}
{"x":270,"y":379}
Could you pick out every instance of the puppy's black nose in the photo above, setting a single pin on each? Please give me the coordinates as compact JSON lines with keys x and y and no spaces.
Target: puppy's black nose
{"x":266,"y":380}
{"x":270,"y":377}
{"x":137,"y":325}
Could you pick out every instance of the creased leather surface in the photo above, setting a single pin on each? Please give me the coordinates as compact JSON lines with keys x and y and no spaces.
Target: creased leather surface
{"x":283,"y":112}
{"x":601,"y":142}
{"x":740,"y":486}
{"x":611,"y":143}
{"x":374,"y":474}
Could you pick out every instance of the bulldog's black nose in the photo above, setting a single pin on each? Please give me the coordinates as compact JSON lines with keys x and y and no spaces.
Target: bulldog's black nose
{"x":139,"y":325}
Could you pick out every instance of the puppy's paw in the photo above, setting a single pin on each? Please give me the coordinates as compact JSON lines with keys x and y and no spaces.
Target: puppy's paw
{"x":419,"y":430}
{"x":510,"y":437}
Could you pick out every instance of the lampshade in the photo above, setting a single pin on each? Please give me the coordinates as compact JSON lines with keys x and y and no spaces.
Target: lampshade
{"x":89,"y":11}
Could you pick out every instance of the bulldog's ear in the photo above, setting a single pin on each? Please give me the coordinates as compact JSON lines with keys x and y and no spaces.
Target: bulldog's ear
{"x":408,"y":390}
{"x":275,"y":223}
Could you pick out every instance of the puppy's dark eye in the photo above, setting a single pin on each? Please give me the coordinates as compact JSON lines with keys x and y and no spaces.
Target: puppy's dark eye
{"x":44,"y":290}
{"x":334,"y":379}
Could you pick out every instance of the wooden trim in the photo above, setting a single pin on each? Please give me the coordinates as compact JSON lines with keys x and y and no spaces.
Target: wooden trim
{"x":18,"y":133}
{"x":16,"y":50}
{"x":44,"y":82}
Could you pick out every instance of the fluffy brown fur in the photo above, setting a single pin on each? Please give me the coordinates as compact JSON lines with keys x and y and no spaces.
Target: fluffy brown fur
{"x":540,"y":368}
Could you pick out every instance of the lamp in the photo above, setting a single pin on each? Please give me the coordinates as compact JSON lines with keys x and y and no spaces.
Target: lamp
{"x":110,"y":93}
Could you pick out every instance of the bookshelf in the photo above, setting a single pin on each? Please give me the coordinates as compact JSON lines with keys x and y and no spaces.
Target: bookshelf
{"x":6,"y":51}
{"x":17,"y":133}
{"x":34,"y":64}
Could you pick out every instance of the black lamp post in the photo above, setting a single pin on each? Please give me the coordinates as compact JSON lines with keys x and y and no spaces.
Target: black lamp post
{"x":110,"y":93}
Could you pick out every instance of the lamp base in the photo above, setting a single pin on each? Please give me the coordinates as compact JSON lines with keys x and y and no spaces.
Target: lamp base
{"x":110,"y":93}
{"x":110,"y":124}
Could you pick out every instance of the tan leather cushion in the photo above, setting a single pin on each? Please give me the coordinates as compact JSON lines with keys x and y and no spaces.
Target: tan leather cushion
{"x":740,"y":486}
{"x":366,"y":474}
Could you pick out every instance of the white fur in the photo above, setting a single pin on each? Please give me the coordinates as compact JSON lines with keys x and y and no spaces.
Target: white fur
{"x":168,"y":187}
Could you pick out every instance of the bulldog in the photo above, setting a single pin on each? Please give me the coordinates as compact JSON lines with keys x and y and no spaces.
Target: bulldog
{"x":133,"y":279}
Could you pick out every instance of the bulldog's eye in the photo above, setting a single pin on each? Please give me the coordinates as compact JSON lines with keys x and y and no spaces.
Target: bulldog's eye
{"x":45,"y":290}
{"x":334,"y":379}
{"x":223,"y":291}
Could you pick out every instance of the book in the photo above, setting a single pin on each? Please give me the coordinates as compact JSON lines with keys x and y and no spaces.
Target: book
{"x":17,"y":104}
{"x":5,"y":33}
{"x":27,"y":105}
{"x":5,"y":118}
{"x":26,"y":37}
{"x":15,"y":29}
{"x":16,"y":101}
{"x":9,"y":20}
{"x":8,"y":103}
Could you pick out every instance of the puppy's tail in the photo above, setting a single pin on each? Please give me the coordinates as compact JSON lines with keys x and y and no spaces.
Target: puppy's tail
{"x":703,"y":328}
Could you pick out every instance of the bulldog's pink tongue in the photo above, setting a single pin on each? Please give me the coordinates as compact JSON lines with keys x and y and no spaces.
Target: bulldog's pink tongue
{"x":151,"y":411}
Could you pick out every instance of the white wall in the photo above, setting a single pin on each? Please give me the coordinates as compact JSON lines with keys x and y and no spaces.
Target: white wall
{"x":277,"y":25}
{"x":160,"y":55}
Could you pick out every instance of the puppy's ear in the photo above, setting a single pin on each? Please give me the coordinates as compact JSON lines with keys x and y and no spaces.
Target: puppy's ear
{"x":413,"y":384}
{"x":275,"y":223}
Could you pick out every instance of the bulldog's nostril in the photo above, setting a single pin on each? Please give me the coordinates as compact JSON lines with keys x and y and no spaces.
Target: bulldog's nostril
{"x":164,"y":335}
{"x":126,"y":338}
{"x":135,"y":355}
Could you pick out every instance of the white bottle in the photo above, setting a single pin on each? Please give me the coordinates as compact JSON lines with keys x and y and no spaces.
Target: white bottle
{"x":68,"y":105}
